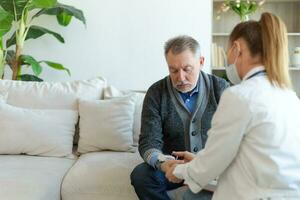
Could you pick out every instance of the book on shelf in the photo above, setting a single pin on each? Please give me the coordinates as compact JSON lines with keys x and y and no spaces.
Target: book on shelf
{"x":218,"y":56}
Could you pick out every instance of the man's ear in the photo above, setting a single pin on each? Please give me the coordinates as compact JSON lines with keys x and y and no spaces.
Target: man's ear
{"x":201,"y":60}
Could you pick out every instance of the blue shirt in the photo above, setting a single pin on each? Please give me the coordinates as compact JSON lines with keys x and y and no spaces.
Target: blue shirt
{"x":190,"y":98}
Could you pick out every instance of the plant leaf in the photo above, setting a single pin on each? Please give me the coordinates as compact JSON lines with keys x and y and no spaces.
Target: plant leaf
{"x":29,"y":77}
{"x":37,"y":31}
{"x":9,"y":6}
{"x":44,"y":3}
{"x":35,"y":65}
{"x":57,"y":66}
{"x":3,"y":14}
{"x":62,"y":8}
{"x":6,"y":20}
{"x":11,"y":41}
{"x":33,"y":33}
{"x":252,"y":8}
{"x":64,"y":19}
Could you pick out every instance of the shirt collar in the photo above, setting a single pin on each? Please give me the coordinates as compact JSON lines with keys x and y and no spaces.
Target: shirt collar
{"x":253,"y":71}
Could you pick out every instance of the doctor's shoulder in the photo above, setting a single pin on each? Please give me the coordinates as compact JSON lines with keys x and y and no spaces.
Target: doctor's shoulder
{"x":237,"y":94}
{"x":250,"y":87}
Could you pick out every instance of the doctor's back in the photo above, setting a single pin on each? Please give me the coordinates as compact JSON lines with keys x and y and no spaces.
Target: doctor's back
{"x":267,"y":113}
{"x":268,"y":160}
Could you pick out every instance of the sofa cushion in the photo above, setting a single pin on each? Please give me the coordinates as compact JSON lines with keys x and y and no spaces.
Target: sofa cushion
{"x":47,"y":95}
{"x":106,"y":124}
{"x":101,"y":176}
{"x":32,"y":177}
{"x":111,"y":92}
{"x":36,"y":131}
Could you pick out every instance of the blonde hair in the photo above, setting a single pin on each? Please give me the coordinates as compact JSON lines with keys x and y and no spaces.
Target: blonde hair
{"x":275,"y":50}
{"x":268,"y":39}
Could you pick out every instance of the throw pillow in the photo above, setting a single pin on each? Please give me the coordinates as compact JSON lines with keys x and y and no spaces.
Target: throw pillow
{"x":112,"y":92}
{"x":36,"y":132}
{"x":51,"y":95}
{"x":106,"y":124}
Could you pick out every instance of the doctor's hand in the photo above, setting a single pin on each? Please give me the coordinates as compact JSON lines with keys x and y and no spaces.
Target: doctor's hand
{"x":170,"y":176}
{"x":184,"y":155}
{"x":166,"y":166}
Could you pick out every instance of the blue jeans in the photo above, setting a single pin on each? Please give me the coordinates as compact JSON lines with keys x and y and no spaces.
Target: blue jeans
{"x":151,"y":184}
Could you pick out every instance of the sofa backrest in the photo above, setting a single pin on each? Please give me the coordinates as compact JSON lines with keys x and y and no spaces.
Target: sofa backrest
{"x":51,"y":95}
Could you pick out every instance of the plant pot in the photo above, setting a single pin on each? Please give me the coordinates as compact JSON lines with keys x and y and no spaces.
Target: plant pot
{"x":244,"y":18}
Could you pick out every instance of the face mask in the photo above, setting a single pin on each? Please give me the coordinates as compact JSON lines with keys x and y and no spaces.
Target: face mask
{"x":232,"y":73}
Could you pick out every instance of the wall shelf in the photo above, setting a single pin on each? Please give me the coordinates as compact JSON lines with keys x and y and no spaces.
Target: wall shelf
{"x":218,"y":69}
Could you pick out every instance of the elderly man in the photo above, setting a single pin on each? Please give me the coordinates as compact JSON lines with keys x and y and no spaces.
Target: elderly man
{"x":176,"y":116}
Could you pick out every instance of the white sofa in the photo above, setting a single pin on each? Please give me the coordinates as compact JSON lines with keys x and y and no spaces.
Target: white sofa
{"x":95,"y":175}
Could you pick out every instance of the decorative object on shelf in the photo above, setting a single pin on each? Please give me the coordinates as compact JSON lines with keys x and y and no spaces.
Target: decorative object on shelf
{"x":17,"y":17}
{"x":244,"y":8}
{"x":295,"y":61}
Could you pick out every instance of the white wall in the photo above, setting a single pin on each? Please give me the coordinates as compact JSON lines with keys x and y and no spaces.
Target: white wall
{"x":123,"y":40}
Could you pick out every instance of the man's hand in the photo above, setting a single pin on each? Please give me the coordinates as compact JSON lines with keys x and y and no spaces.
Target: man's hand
{"x":170,"y":176}
{"x":165,"y":166}
{"x":185,"y":155}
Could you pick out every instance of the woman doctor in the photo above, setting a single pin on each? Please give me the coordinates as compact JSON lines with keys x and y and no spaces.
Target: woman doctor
{"x":254,"y":142}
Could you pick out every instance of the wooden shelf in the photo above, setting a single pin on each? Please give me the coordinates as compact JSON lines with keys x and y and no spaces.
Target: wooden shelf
{"x":220,"y":34}
{"x":293,"y":34}
{"x":218,"y":69}
{"x":294,"y":68}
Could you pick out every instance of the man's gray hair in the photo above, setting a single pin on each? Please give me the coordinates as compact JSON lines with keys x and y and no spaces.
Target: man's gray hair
{"x":181,"y":43}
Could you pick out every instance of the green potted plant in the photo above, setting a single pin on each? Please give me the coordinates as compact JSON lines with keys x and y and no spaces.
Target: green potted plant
{"x":244,"y":8}
{"x":16,"y":17}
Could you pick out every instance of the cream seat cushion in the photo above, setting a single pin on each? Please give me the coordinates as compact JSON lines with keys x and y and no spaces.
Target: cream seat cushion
{"x":31,"y":177}
{"x":101,"y":176}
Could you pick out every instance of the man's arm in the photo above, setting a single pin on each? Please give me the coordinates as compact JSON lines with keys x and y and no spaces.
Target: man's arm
{"x":220,"y":85}
{"x":151,"y":137}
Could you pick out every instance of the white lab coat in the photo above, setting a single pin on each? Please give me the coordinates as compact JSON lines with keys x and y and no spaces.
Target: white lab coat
{"x":253,"y":145}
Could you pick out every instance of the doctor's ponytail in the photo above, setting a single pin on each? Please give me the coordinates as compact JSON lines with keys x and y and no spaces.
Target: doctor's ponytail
{"x":275,"y":56}
{"x":267,"y":38}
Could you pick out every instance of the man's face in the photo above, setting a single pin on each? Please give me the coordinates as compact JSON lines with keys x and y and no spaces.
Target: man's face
{"x":184,"y":69}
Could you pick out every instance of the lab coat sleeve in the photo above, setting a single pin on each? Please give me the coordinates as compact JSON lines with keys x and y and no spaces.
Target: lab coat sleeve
{"x":229,"y":124}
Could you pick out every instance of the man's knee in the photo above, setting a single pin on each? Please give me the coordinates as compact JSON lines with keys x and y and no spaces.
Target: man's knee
{"x":140,"y":173}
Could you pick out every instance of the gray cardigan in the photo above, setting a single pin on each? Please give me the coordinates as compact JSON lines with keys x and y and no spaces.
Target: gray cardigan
{"x":167,"y":125}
